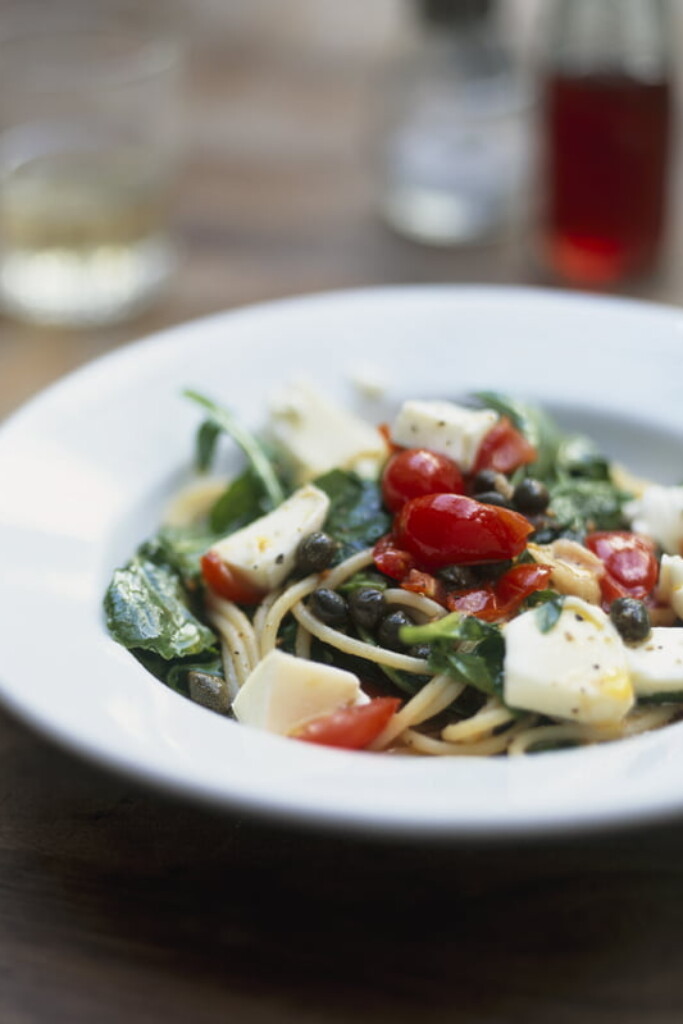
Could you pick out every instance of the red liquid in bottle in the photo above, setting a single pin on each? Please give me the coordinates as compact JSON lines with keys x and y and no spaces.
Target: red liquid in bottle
{"x":608,"y":147}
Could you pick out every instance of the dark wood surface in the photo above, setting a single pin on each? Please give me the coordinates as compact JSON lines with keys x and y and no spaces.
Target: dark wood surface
{"x":118,"y":903}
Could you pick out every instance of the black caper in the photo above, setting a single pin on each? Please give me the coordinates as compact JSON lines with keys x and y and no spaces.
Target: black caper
{"x":420,"y":651}
{"x":631,"y":618}
{"x":366,"y":606}
{"x":389,"y":628}
{"x":315,"y":552}
{"x":329,"y":606}
{"x":530,"y":496}
{"x":484,"y":480}
{"x":458,"y":577}
{"x":493,"y":498}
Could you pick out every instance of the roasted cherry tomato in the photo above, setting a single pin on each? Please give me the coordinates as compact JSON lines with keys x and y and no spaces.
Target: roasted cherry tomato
{"x":228,"y":582}
{"x":351,"y":728}
{"x":451,"y":529}
{"x":390,"y":559}
{"x":497,"y":601}
{"x":416,"y":471}
{"x":630,"y":563}
{"x":504,"y":449}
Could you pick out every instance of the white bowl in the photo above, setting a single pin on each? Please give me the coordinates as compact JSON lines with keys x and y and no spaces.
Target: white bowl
{"x":86,"y":466}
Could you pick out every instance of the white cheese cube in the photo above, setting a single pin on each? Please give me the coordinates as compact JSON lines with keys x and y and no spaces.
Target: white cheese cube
{"x":284,"y":692}
{"x":264,"y":552}
{"x":658,"y":513}
{"x":578,"y":670}
{"x":443,"y":427}
{"x":656,"y":664}
{"x":318,"y":435}
{"x":670,"y":584}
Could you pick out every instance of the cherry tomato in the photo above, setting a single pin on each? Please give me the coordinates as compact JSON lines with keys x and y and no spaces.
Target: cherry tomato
{"x":416,"y":471}
{"x":504,"y":449}
{"x":451,"y":529}
{"x":630,"y":562}
{"x":228,"y":582}
{"x":498,"y":601}
{"x":418,"y":582}
{"x":390,"y":559}
{"x":351,"y":728}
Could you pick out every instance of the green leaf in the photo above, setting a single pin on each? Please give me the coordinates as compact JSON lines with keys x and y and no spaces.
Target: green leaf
{"x":466,"y":647}
{"x":205,"y":445}
{"x":224,"y":420}
{"x":548,"y":605}
{"x":357,"y":517}
{"x":178,"y":548}
{"x":578,"y":456}
{"x":146,"y":608}
{"x":583,"y":505}
{"x":243,"y":501}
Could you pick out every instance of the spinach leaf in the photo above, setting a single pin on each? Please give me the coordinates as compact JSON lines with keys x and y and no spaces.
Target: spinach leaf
{"x":537,"y":426}
{"x":578,"y":456}
{"x":179,"y":548}
{"x":357,"y":517}
{"x":243,"y":501}
{"x":466,"y":647}
{"x":581,"y":505}
{"x":548,"y":605}
{"x":224,"y":420}
{"x":146,"y":608}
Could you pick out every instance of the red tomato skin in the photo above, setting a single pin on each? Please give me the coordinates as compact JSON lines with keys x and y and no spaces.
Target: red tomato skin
{"x":414,"y":472}
{"x":499,"y":601}
{"x":390,"y":559}
{"x":631,"y":566}
{"x":452,"y":529}
{"x":228,"y":582}
{"x":504,"y":449}
{"x":350,"y":728}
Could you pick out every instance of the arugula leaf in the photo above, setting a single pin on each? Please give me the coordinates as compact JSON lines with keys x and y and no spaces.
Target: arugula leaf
{"x":243,"y":501}
{"x":146,"y":609}
{"x":357,"y":517}
{"x":464,"y":646}
{"x":537,"y":426}
{"x":224,"y":420}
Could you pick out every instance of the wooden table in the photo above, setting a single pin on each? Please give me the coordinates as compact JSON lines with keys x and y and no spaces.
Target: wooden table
{"x":118,"y":903}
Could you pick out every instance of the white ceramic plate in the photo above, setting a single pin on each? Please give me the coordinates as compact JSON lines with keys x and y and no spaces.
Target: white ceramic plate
{"x":86,"y":466}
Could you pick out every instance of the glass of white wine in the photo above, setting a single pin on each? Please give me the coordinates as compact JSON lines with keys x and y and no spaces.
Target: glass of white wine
{"x":88,"y":159}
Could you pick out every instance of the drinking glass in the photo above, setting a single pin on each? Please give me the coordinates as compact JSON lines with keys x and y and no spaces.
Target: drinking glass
{"x":88,"y":158}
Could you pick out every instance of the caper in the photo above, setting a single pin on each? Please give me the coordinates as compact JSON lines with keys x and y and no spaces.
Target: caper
{"x":420,"y":651}
{"x":366,"y":606}
{"x":631,"y":618}
{"x":329,"y":606}
{"x":493,"y":498}
{"x":458,"y":577}
{"x":484,"y":480}
{"x":315,"y":552}
{"x":390,"y":627}
{"x":530,"y":496}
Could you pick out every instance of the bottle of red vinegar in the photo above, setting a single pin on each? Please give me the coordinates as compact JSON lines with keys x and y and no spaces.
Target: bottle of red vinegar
{"x":606,"y":108}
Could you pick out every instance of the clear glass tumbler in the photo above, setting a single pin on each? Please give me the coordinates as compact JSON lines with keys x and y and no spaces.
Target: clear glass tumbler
{"x":88,"y":159}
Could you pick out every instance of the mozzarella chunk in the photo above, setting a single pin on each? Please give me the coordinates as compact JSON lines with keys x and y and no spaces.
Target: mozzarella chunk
{"x":578,"y":670}
{"x":656,"y":664}
{"x":443,"y":427}
{"x":658,"y":513}
{"x":264,"y":552}
{"x":318,"y":435}
{"x":284,"y":692}
{"x":670,"y":585}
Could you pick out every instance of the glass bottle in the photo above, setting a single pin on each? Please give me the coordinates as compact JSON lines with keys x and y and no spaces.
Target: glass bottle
{"x":455,"y":146}
{"x":606,"y":100}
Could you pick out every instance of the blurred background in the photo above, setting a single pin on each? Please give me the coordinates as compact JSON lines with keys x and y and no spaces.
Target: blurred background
{"x":164,"y":161}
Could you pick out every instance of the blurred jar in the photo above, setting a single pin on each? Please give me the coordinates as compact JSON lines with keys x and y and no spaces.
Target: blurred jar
{"x":607,"y":98}
{"x":88,"y":155}
{"x":455,"y":149}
